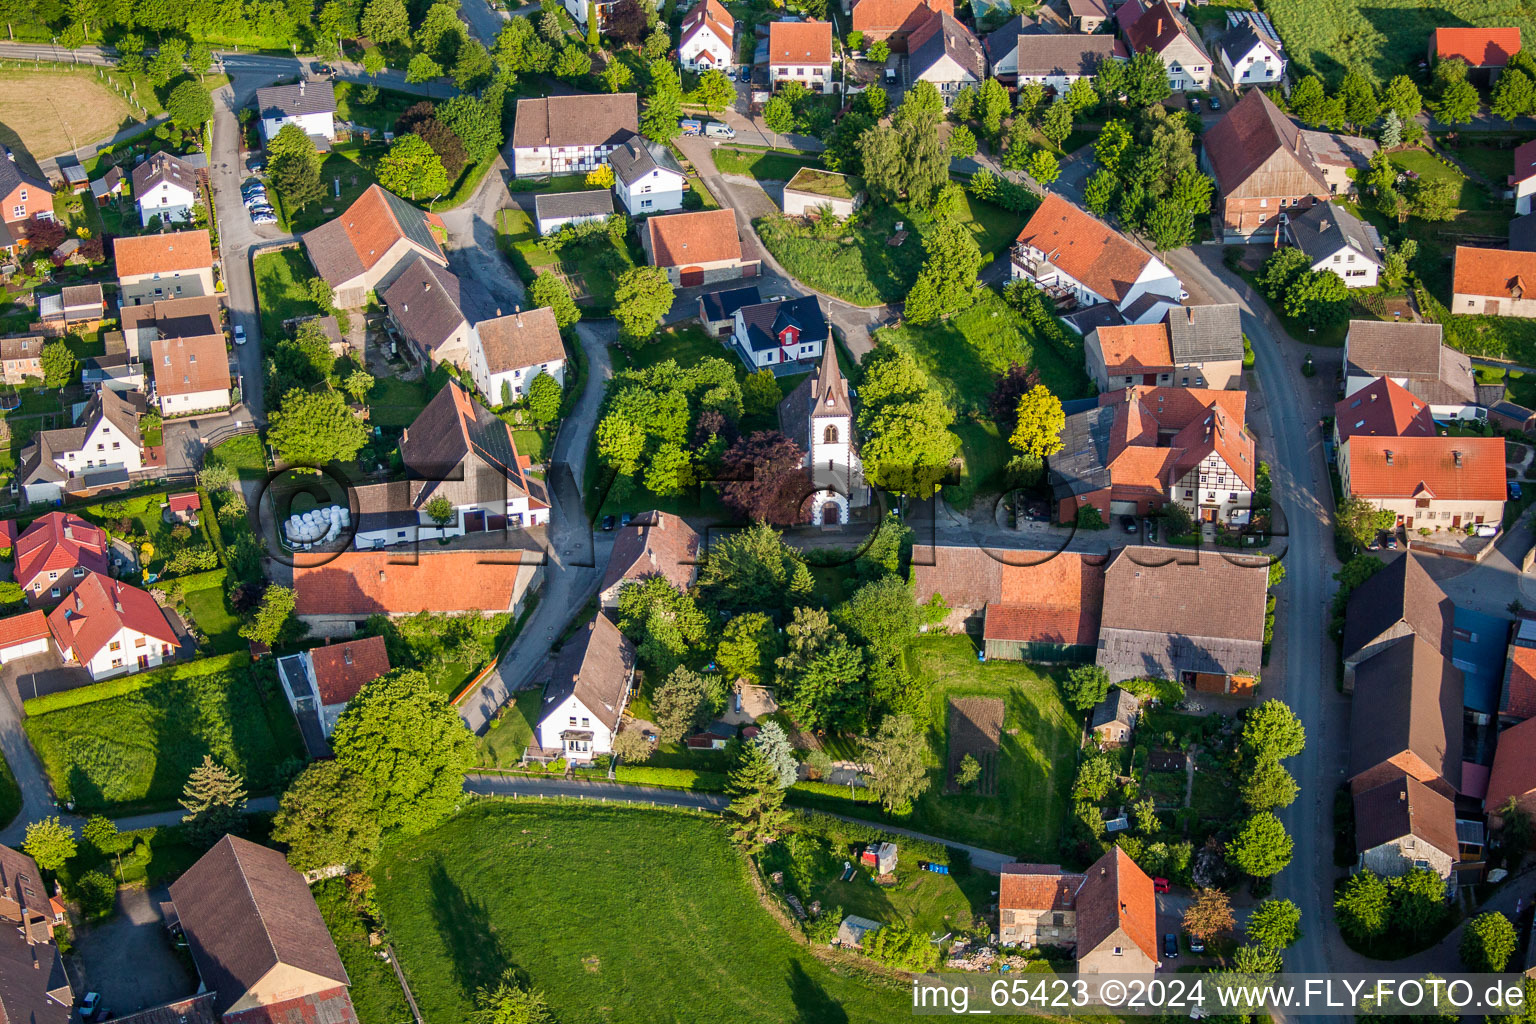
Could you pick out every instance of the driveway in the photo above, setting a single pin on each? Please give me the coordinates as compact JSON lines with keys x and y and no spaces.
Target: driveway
{"x":129,"y":958}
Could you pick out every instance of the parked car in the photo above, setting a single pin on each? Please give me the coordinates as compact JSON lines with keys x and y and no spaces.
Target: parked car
{"x":608,"y":522}
{"x":1128,"y":523}
{"x":1159,"y":885}
{"x":1391,"y":542}
{"x":1170,"y":946}
{"x":263,"y":218}
{"x":1196,"y":944}
{"x":257,"y":167}
{"x":1487,"y":529}
{"x":624,"y":519}
{"x":1215,"y":103}
{"x":1375,"y":544}
{"x":239,"y":335}
{"x":88,"y":1004}
{"x":1514,"y":489}
{"x":689,"y":126}
{"x":716,"y":130}
{"x":746,"y":74}
{"x":1194,"y":104}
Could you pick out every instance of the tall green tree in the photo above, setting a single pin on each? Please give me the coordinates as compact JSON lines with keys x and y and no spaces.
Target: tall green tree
{"x":752,"y":569}
{"x":315,"y":429}
{"x":412,"y":168}
{"x":50,"y":842}
{"x":189,"y":106}
{"x":1487,"y":943}
{"x":1085,"y":686}
{"x":1261,"y":847}
{"x":1146,"y":79}
{"x":422,"y":68}
{"x":58,"y":364}
{"x":327,"y":817}
{"x":1363,"y":906}
{"x":642,"y":298}
{"x":1274,"y":923}
{"x":663,"y":619}
{"x":992,"y":107}
{"x":1361,"y":107}
{"x":664,"y":107}
{"x":1458,"y":103}
{"x":897,"y":758}
{"x":716,"y":91}
{"x":1039,"y":423}
{"x":214,"y":799}
{"x":1272,"y":732}
{"x":550,"y":290}
{"x":746,"y":647}
{"x":386,"y":21}
{"x":756,"y":812}
{"x":273,"y":622}
{"x":678,"y":705}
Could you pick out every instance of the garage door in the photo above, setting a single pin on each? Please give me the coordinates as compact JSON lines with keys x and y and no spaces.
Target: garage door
{"x":21,"y":650}
{"x":1122,"y":508}
{"x":690,"y":276}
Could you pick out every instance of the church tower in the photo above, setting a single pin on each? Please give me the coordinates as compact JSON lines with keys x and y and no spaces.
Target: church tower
{"x":836,"y":473}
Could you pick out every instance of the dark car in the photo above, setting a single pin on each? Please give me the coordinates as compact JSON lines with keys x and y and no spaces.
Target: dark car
{"x":1215,"y":103}
{"x":1196,"y":944}
{"x":1170,"y":946}
{"x":608,"y":522}
{"x":1514,"y":489}
{"x":1129,"y":524}
{"x":1391,"y":542}
{"x":1194,"y":104}
{"x":624,"y":519}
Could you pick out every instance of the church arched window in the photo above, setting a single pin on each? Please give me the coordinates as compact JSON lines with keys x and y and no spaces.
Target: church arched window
{"x":829,"y":436}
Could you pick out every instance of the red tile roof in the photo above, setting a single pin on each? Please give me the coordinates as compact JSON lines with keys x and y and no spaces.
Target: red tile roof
{"x":1087,"y":249}
{"x":713,"y":15}
{"x":1203,"y":420}
{"x":894,"y":15}
{"x":190,"y":366}
{"x":1384,"y":408}
{"x":188,"y":502}
{"x":162,"y":254}
{"x":7,"y":533}
{"x":1116,"y":894}
{"x":23,"y":628}
{"x":1427,"y":467}
{"x":332,"y":1006}
{"x":1134,"y":348}
{"x":1514,"y":764}
{"x":96,"y":610}
{"x":1479,"y":47}
{"x":1525,"y":162}
{"x":1036,"y":887}
{"x":1055,"y":601}
{"x":342,"y":669}
{"x":1506,"y":273}
{"x":363,"y":583}
{"x":799,"y":42}
{"x":58,"y":542}
{"x":683,"y":239}
{"x":1155,"y":28}
{"x":1519,"y":699}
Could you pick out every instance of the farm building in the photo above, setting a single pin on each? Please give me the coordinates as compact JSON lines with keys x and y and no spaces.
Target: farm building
{"x":811,"y":191}
{"x":554,"y":210}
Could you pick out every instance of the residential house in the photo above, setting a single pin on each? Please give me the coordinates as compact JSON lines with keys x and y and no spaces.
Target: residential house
{"x":1486,"y":51}
{"x":1116,"y":918}
{"x":1159,"y":28}
{"x":1383,"y":408}
{"x":310,"y":105}
{"x":424,"y":303}
{"x":571,"y":134}
{"x":1517,"y":694}
{"x":1340,"y":159}
{"x":21,"y":357}
{"x":1113,"y":719}
{"x":647,"y":177}
{"x":1523,"y":181}
{"x":946,"y":54}
{"x":708,"y":38}
{"x":24,"y":635}
{"x":1406,"y":718}
{"x":588,"y":688}
{"x":1263,"y":169}
{"x":1335,"y":239}
{"x":258,"y":941}
{"x":1401,"y":825}
{"x":77,"y":308}
{"x":36,"y":987}
{"x":170,"y":266}
{"x":1193,"y":346}
{"x":1056,"y":61}
{"x":1029,"y":606}
{"x":1075,"y":257}
{"x":1087,"y":16}
{"x":506,"y":353}
{"x":55,"y":553}
{"x":322,"y":680}
{"x":1400,"y":601}
{"x":1493,"y":282}
{"x":196,"y":317}
{"x":554,"y":210}
{"x":1415,"y":356}
{"x":1251,"y":52}
{"x":717,"y":310}
{"x":818,"y":414}
{"x":166,"y":187}
{"x":111,"y":628}
{"x":365,"y":248}
{"x":696,"y":248}
{"x":1428,"y":482}
{"x":894,"y":20}
{"x":1141,"y":448}
{"x":782,"y":335}
{"x":1195,"y":620}
{"x":23,"y":195}
{"x":1514,"y":772}
{"x":99,"y":452}
{"x":1036,"y":905}
{"x":653,"y":544}
{"x":801,"y":51}
{"x":191,"y":374}
{"x":1002,"y":45}
{"x":812,"y":192}
{"x":109,"y":185}
{"x":337,"y":597}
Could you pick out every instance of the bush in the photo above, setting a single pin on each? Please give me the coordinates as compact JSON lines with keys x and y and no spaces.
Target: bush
{"x":672,"y":778}
{"x":96,"y":893}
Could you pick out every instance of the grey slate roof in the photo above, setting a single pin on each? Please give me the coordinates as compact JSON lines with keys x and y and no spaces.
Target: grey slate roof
{"x":639,"y":157}
{"x":766,"y":319}
{"x":561,"y":205}
{"x":954,"y":40}
{"x":584,"y":119}
{"x":164,"y":167}
{"x":1201,"y":333}
{"x":1082,"y":465}
{"x":34,"y":988}
{"x":1323,"y":229}
{"x":277,"y":101}
{"x":424,"y":301}
{"x":1240,"y":40}
{"x":594,"y":666}
{"x":12,"y":176}
{"x":1408,"y":698}
{"x":1117,"y":706}
{"x":1434,"y":372}
{"x":1074,"y":53}
{"x":1522,"y":233}
{"x":1004,"y":39}
{"x":722,"y":305}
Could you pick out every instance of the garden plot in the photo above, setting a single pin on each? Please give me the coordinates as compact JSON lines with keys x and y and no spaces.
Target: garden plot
{"x":975,"y":728}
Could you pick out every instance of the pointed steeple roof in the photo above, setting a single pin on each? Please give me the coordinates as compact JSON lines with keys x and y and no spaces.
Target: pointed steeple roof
{"x":829,"y":390}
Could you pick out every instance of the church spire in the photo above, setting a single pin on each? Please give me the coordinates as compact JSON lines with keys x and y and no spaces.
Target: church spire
{"x":829,"y":391}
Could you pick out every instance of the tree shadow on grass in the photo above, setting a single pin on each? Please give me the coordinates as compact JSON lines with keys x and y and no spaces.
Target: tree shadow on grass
{"x":812,"y":1003}
{"x":466,"y":929}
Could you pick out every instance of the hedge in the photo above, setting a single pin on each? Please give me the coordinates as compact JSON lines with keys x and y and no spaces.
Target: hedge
{"x":672,"y":778}
{"x":859,"y":795}
{"x":107,"y":689}
{"x":211,"y":531}
{"x":839,"y":831}
{"x":210,"y":580}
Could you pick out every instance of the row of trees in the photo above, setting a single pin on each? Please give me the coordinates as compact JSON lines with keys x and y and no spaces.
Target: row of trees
{"x":1148,"y":176}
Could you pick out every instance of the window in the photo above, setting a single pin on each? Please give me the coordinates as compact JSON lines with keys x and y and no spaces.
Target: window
{"x":54,"y":592}
{"x":117,"y":662}
{"x":829,"y":436}
{"x":1233,"y":496}
{"x":1117,"y":951}
{"x":23,"y":196}
{"x":586,"y":723}
{"x":140,"y":642}
{"x":114,"y":646}
{"x":53,"y":575}
{"x":18,"y":211}
{"x":79,"y":571}
{"x":1059,"y":920}
{"x":573,"y":719}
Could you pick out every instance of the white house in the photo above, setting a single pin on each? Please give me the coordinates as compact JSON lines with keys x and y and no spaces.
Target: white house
{"x":310,"y":105}
{"x":708,"y":38}
{"x":801,"y":51}
{"x":943,"y":52}
{"x":1057,"y":60}
{"x":1335,"y":239}
{"x":101,"y":450}
{"x":507,"y":353}
{"x":585,"y":697}
{"x":1250,"y":52}
{"x":1072,"y":256}
{"x":768,"y":335}
{"x":571,"y":134}
{"x":647,"y":177}
{"x":175,"y":265}
{"x":1523,"y":181}
{"x":111,"y":628}
{"x":165,"y":187}
{"x":554,"y":210}
{"x":191,"y":374}
{"x":819,"y":415}
{"x":813,"y":190}
{"x":323,"y":679}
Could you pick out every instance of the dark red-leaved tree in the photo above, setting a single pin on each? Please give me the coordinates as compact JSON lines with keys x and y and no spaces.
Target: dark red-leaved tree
{"x":712,"y":423}
{"x":413,"y":115}
{"x":626,"y":22}
{"x":764,"y":478}
{"x":1005,"y":397}
{"x":448,"y":146}
{"x":44,"y":236}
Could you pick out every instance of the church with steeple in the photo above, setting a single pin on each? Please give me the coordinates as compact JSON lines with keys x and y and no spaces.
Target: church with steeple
{"x":819,"y":415}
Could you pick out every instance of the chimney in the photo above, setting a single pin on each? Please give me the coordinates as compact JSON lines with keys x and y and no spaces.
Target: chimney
{"x":1389,"y":456}
{"x":301,"y":81}
{"x":518,"y":312}
{"x":1457,"y":457}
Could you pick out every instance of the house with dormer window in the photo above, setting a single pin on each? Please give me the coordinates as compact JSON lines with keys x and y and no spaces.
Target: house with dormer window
{"x":99,"y":452}
{"x":1157,"y":27}
{"x":111,"y":628}
{"x":708,"y":38}
{"x":586,"y":694}
{"x":780,"y":334}
{"x":55,"y":553}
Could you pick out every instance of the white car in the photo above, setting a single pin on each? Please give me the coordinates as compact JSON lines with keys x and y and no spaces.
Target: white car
{"x":239,"y":335}
{"x":1487,"y":530}
{"x":88,"y":1004}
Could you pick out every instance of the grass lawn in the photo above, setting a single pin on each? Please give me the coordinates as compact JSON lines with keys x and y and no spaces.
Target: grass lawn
{"x":280,"y":288}
{"x":210,"y":610}
{"x":449,"y":649}
{"x":58,"y":109}
{"x":530,"y":442}
{"x":379,"y":115}
{"x":143,"y":523}
{"x":136,"y":750}
{"x":508,"y":884}
{"x":1491,"y":162}
{"x":1382,"y":38}
{"x":396,"y":403}
{"x":591,"y":269}
{"x":243,"y":454}
{"x":860,"y":266}
{"x":1036,"y":758}
{"x":10,"y":793}
{"x":513,"y":731}
{"x":375,"y":992}
{"x":348,"y":166}
{"x":762,"y":164}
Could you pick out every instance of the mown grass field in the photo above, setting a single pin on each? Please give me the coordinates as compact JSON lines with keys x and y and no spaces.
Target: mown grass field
{"x":280,"y":289}
{"x":10,"y":793}
{"x":761,"y":164}
{"x":617,"y":914}
{"x":54,"y":111}
{"x":1381,"y":37}
{"x":211,"y":612}
{"x":242,"y":454}
{"x":591,"y":268}
{"x":137,"y":749}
